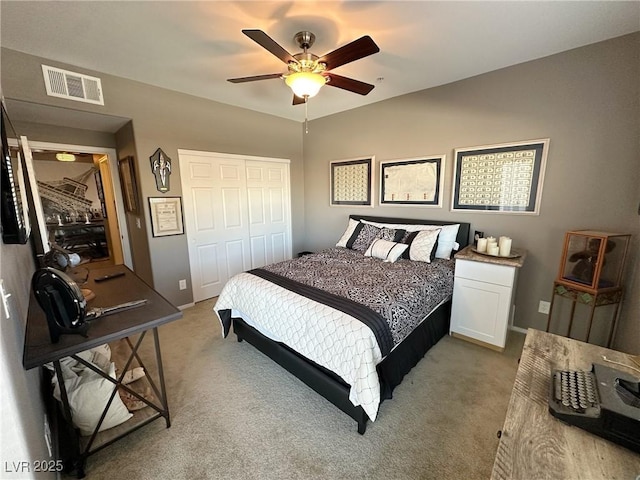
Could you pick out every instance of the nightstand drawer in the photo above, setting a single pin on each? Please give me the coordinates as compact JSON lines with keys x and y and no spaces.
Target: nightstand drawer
{"x":485,"y":272}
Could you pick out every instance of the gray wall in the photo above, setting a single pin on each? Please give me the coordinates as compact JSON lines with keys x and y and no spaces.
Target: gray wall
{"x":169,"y":120}
{"x":22,"y":431}
{"x":585,"y":100}
{"x":126,"y":146}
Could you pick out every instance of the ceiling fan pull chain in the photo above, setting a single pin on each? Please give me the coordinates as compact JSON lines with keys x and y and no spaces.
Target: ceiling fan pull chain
{"x":306,"y":121}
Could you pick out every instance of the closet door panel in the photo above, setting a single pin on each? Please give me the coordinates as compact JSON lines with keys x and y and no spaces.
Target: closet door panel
{"x":215,"y":209}
{"x":237,"y":216}
{"x":270,"y":208}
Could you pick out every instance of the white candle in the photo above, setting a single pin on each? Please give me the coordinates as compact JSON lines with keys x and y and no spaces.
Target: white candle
{"x":493,"y":250}
{"x":491,"y":239}
{"x":482,"y":245}
{"x":491,"y":244}
{"x":505,"y":247}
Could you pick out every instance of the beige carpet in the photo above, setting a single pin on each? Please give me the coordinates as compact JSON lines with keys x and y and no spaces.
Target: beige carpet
{"x":238,"y":415}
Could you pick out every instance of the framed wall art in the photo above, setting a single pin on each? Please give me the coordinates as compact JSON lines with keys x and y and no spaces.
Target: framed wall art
{"x":504,"y":178}
{"x":352,"y":182}
{"x":166,"y":216}
{"x":417,"y":181}
{"x":128,"y":182}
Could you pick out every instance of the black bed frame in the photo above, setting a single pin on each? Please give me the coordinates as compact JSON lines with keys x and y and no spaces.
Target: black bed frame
{"x":393,"y":367}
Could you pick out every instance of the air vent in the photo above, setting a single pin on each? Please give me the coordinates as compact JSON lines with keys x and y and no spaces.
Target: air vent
{"x":71,"y":85}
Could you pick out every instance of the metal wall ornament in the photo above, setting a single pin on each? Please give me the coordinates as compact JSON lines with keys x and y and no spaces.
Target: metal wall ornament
{"x":161,"y":168}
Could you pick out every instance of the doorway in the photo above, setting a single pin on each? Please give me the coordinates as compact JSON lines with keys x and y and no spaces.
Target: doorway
{"x":81,"y":208}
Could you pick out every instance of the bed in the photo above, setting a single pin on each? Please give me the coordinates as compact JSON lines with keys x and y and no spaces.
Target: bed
{"x":352,"y":320}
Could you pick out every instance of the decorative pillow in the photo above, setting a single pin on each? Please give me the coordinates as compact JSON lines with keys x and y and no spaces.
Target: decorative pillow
{"x":100,"y":356}
{"x":362,"y":237}
{"x":408,"y":239}
{"x":385,"y":250}
{"x":88,"y":399}
{"x":351,"y":226}
{"x":446,"y":240}
{"x":422,"y":245}
{"x":88,"y":395}
{"x":392,"y":234}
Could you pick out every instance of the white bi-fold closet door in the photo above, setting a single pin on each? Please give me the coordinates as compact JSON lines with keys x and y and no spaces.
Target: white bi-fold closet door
{"x":237,"y":213}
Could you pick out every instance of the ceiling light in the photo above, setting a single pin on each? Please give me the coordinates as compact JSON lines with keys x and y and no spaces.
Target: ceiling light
{"x":65,"y":157}
{"x":305,"y":84}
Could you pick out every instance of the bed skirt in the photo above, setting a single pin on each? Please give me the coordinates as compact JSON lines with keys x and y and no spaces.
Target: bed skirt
{"x":391,"y":370}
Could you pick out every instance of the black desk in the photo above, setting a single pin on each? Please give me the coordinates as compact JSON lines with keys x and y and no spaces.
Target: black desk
{"x":38,"y":350}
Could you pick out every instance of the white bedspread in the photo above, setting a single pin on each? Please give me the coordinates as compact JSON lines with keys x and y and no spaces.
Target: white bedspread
{"x":330,"y":338}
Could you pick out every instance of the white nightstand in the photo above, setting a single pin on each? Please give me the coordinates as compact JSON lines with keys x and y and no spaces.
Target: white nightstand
{"x":483,"y":297}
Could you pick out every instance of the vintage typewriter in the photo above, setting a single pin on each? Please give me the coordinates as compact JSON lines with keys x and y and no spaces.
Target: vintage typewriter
{"x":603,"y":401}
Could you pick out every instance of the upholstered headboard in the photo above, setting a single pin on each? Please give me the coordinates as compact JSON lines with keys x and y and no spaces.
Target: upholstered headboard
{"x":463,"y":231}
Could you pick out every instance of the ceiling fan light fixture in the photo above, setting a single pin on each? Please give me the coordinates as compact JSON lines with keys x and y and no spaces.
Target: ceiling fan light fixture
{"x":65,"y":157}
{"x":305,"y":84}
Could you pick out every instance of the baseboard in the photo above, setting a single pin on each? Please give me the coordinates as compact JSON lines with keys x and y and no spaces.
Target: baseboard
{"x":518,"y":329}
{"x":477,"y":342}
{"x":188,"y":305}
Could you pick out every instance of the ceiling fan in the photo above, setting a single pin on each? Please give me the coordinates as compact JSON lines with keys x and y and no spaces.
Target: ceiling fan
{"x":307,"y":73}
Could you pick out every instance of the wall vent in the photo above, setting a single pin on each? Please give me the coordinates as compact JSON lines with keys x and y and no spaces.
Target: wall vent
{"x":71,"y":85}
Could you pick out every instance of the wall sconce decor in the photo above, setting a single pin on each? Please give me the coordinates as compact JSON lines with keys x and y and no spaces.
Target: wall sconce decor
{"x":161,"y":168}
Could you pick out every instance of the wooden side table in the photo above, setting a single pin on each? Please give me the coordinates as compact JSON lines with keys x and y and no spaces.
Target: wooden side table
{"x":611,"y":296}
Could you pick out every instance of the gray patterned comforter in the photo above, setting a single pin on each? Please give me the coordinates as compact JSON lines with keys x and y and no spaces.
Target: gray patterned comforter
{"x":403,"y":293}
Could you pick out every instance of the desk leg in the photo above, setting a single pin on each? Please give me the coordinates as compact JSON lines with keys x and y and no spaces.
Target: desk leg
{"x":78,"y":463}
{"x":63,"y":391}
{"x":593,"y":311}
{"x":553,"y":298}
{"x":614,"y":323}
{"x":162,"y":393}
{"x":573,"y":311}
{"x":163,"y":389}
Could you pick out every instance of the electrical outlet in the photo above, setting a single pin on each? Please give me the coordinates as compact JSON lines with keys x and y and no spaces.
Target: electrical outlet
{"x":543,"y":307}
{"x":182,"y":284}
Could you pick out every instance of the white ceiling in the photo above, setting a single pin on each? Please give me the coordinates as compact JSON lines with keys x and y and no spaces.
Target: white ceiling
{"x":194,"y":47}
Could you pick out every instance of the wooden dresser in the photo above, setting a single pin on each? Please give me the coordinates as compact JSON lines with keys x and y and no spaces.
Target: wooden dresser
{"x":536,"y":445}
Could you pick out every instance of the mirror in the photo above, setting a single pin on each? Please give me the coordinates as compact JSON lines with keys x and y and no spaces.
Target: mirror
{"x":15,"y":218}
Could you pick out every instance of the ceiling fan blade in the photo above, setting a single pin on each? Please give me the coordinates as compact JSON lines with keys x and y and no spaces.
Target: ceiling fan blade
{"x":349,"y":84}
{"x":355,"y":50}
{"x":268,"y":43}
{"x":254,"y":78}
{"x":297,"y":100}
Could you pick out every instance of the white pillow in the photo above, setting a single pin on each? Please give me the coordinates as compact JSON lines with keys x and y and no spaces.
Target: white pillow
{"x":422,"y":245}
{"x":446,"y":241}
{"x":100,"y":356}
{"x":385,"y":250}
{"x":351,"y":226}
{"x":88,"y":394}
